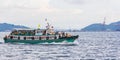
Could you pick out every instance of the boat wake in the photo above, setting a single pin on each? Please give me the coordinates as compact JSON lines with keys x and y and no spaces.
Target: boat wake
{"x":59,"y":44}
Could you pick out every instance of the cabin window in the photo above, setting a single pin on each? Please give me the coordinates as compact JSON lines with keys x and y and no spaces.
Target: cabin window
{"x":32,"y":38}
{"x":43,"y":37}
{"x":38,"y":32}
{"x":39,"y":38}
{"x":11,"y":37}
{"x":18,"y":38}
{"x":24,"y":38}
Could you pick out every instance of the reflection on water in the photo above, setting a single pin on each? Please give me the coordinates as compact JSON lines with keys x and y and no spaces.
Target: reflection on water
{"x":89,"y":46}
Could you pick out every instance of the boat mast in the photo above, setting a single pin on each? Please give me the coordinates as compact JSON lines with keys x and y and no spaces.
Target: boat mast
{"x":48,"y":25}
{"x":49,"y":28}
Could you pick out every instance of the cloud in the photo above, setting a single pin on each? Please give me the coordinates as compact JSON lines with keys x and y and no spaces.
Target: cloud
{"x":40,"y":6}
{"x":74,"y":1}
{"x":64,"y":6}
{"x":23,"y":4}
{"x":84,"y":12}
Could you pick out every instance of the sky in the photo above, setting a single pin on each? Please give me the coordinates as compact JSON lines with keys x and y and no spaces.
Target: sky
{"x":63,"y":14}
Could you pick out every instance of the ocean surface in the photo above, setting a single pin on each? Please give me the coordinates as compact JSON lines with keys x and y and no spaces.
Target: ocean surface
{"x":89,"y":46}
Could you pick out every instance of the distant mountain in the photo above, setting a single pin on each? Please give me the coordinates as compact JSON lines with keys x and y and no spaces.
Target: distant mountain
{"x":9,"y":27}
{"x":94,"y":27}
{"x":100,"y":27}
{"x":114,"y":26}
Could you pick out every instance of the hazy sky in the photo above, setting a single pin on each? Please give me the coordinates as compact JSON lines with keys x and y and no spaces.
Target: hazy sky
{"x":60,"y":13}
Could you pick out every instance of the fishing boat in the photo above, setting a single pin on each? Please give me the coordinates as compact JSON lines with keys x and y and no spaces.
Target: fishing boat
{"x":36,"y":36}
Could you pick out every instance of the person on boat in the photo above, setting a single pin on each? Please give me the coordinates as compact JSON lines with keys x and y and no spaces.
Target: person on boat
{"x":14,"y":32}
{"x":63,"y":34}
{"x":68,"y":35}
{"x":60,"y":34}
{"x":44,"y":32}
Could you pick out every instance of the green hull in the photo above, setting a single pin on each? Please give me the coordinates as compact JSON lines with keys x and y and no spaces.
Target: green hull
{"x":36,"y":41}
{"x":70,"y":39}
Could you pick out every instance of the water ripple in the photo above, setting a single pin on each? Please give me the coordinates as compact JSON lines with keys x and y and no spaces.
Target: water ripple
{"x":89,"y":46}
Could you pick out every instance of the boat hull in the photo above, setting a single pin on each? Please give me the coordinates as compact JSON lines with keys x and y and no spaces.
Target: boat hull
{"x":70,"y":39}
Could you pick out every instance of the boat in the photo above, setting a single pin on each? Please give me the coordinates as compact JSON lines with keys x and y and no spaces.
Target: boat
{"x":36,"y":36}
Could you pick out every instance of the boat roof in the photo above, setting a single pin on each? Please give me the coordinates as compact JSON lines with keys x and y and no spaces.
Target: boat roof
{"x":23,"y":29}
{"x":26,"y":29}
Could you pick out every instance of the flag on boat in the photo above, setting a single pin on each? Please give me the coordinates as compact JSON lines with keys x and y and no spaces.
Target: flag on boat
{"x":38,"y":26}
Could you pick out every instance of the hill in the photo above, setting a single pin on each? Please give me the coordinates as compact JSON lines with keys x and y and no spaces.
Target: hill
{"x":9,"y":27}
{"x":115,"y":26}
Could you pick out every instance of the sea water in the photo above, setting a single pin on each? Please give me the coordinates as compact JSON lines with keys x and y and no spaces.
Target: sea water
{"x":89,"y":46}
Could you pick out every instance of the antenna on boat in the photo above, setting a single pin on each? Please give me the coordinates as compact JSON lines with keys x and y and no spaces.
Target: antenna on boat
{"x":104,"y":22}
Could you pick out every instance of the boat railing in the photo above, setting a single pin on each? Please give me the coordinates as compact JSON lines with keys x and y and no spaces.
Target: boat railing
{"x":14,"y":37}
